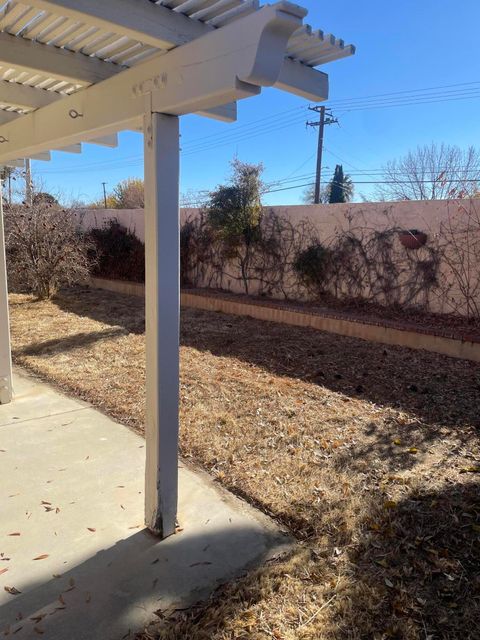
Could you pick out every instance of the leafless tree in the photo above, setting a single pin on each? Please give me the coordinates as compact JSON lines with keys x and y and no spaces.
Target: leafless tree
{"x":432,"y":172}
{"x":308,"y":196}
{"x":45,"y":249}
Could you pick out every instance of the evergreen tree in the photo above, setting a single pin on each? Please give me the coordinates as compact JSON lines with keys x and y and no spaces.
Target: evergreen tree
{"x":341,"y":187}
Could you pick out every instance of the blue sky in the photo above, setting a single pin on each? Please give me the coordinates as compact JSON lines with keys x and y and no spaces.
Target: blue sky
{"x":401,"y":46}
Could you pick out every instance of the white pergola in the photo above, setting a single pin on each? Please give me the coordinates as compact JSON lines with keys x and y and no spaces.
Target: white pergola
{"x":76,"y":71}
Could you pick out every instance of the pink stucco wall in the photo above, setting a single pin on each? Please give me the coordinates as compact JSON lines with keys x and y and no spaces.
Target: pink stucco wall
{"x":426,"y":216}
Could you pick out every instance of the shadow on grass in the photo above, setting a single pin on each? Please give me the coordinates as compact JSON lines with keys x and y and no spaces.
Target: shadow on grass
{"x":436,"y":390}
{"x":50,"y":347}
{"x":407,"y":572}
{"x":104,"y":306}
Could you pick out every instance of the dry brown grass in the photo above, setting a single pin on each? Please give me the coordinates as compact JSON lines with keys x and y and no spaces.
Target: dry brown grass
{"x":367,"y":453}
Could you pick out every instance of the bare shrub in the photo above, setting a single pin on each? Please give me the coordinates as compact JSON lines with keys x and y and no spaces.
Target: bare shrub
{"x":200,"y":263}
{"x":362,"y":264}
{"x":45,"y":249}
{"x":312,"y":266}
{"x":460,"y":239}
{"x":120,"y":254}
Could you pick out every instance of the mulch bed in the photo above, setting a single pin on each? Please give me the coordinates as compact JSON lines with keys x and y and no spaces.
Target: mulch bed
{"x":445,"y":325}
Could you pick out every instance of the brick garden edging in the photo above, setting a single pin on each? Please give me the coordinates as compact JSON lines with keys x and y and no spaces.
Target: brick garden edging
{"x":386,"y":332}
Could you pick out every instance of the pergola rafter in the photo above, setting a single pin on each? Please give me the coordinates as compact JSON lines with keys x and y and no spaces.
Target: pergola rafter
{"x":74,"y":71}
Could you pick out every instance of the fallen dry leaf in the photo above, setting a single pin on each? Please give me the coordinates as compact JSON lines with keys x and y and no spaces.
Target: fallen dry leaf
{"x":42,"y":557}
{"x":16,"y":533}
{"x":3,"y":570}
{"x":382,"y":563}
{"x":91,"y":529}
{"x":39,"y":631}
{"x":12,"y":590}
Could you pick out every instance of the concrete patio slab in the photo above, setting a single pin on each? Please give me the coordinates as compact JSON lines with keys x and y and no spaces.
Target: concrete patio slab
{"x":76,"y":562}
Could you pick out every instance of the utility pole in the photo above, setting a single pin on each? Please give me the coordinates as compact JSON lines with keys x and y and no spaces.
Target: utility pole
{"x":325,"y":118}
{"x":28,"y":183}
{"x":104,"y":195}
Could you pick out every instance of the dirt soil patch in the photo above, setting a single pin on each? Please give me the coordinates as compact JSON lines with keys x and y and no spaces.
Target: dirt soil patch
{"x":369,"y":454}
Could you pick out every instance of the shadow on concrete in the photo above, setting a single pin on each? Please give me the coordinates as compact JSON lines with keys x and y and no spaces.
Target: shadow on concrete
{"x":412,"y":573}
{"x":120,"y":590}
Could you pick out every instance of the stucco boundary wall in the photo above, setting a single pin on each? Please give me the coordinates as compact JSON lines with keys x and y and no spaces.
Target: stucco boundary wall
{"x":374,"y":332}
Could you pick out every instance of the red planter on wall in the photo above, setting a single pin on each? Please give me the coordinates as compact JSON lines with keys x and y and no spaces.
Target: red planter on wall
{"x":413,"y":238}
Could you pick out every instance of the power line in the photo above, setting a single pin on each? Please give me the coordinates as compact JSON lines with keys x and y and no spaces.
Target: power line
{"x":286,"y":119}
{"x":309,"y":184}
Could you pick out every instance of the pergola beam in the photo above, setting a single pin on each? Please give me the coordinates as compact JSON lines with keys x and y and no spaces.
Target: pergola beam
{"x":25,"y":97}
{"x":8,"y":116}
{"x":224,"y":113}
{"x":170,"y":82}
{"x":72,"y":148}
{"x":25,"y":55}
{"x":15,"y":163}
{"x":140,"y":20}
{"x":110,"y":141}
{"x":304,"y":81}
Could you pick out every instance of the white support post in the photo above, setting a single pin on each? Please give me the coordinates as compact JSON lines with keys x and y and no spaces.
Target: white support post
{"x":5,"y":353}
{"x":162,"y":298}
